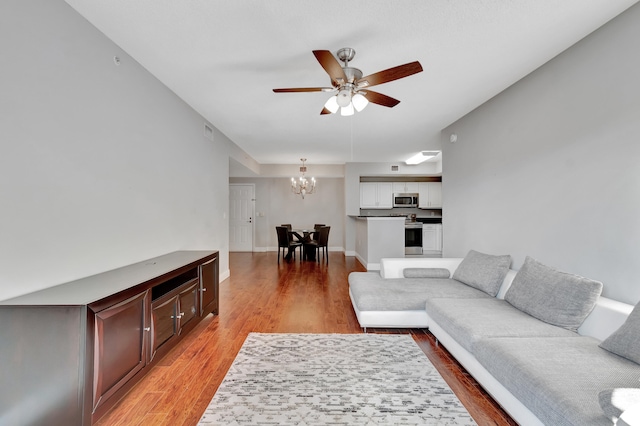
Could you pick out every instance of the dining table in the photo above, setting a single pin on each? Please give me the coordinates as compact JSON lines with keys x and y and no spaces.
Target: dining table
{"x":304,"y":235}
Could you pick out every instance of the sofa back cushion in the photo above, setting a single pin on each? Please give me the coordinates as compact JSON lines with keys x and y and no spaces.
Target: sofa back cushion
{"x":483,"y":271}
{"x":426,"y":273}
{"x":625,"y":341}
{"x":552,"y":296}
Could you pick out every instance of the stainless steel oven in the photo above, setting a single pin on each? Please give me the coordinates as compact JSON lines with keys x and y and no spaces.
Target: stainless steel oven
{"x":412,"y":237}
{"x":405,"y":200}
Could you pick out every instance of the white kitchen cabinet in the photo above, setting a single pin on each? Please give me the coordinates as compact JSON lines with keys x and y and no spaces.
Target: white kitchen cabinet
{"x":431,"y":238}
{"x":376,"y":195}
{"x":406,"y":187}
{"x":430,"y":195}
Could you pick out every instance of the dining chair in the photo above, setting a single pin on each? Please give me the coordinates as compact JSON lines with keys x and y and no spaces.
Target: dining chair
{"x":316,"y":228}
{"x":284,"y":241}
{"x":287,"y":225}
{"x":321,"y":243}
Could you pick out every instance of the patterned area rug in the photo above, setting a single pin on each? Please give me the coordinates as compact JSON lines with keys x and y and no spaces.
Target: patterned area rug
{"x":333,"y":379}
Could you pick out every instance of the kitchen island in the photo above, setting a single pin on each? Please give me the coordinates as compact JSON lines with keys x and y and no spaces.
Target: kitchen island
{"x":379,"y":237}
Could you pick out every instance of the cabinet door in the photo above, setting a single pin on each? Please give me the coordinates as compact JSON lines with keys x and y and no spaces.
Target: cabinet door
{"x":412,"y":187}
{"x":368,"y":195}
{"x":385,"y":195}
{"x":120,"y":345}
{"x":164,"y":322}
{"x":209,"y":287}
{"x":423,"y":195}
{"x":430,"y":195}
{"x":429,"y":238}
{"x":435,"y":194}
{"x":399,"y":187}
{"x":188,"y":305}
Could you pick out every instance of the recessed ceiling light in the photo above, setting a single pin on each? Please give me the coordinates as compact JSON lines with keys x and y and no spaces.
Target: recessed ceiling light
{"x":422,"y":156}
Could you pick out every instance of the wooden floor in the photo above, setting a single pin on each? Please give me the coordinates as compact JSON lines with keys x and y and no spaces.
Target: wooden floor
{"x":264,"y":296}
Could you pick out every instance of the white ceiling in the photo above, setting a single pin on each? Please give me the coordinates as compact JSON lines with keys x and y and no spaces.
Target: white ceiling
{"x":225,"y":57}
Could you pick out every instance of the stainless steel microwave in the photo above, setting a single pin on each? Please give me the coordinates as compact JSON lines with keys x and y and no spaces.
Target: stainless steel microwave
{"x":405,"y":200}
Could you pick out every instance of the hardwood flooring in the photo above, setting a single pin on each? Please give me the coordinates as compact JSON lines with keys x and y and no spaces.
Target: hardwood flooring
{"x":264,"y":296}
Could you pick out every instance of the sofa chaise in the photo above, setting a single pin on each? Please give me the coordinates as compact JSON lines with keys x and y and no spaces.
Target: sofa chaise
{"x":545,"y":344}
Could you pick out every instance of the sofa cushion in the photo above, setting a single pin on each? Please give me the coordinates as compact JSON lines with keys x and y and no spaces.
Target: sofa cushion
{"x":616,"y":401}
{"x":557,"y":378}
{"x":371,"y":292}
{"x":426,"y":273}
{"x":625,"y":341}
{"x":552,"y":296}
{"x":469,"y":320}
{"x":483,"y":271}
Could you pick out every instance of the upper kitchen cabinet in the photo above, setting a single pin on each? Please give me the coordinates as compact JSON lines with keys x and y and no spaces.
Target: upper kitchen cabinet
{"x":406,"y":187}
{"x":376,"y":195}
{"x":430,"y":195}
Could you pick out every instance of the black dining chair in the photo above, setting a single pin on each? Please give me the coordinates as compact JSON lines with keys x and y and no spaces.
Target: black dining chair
{"x":287,"y":225}
{"x":316,"y":228}
{"x":321,"y":243}
{"x":284,"y":241}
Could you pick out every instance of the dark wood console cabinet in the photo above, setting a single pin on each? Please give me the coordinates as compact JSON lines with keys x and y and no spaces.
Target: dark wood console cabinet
{"x":70,"y":352}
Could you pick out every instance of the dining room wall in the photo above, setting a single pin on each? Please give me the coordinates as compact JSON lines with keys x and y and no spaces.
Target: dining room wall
{"x":276,"y":204}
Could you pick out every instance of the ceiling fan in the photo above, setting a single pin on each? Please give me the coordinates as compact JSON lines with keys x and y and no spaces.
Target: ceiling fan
{"x":351,"y":87}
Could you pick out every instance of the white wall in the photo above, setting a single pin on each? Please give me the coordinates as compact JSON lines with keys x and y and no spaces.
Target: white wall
{"x":101,"y":165}
{"x":551,"y":167}
{"x":279,"y":205}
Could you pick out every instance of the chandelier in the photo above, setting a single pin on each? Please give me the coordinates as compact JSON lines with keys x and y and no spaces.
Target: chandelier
{"x":303,"y":186}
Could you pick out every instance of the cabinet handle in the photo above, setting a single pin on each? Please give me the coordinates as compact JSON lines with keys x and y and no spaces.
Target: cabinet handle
{"x":147,"y":329}
{"x":203,"y":289}
{"x":178,"y":316}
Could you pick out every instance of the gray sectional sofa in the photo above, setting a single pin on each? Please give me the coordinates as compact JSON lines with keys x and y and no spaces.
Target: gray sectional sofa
{"x":545,"y":344}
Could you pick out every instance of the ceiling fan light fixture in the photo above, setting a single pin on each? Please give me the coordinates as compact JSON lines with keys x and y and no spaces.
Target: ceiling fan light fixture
{"x":332,"y":104}
{"x":344,"y":97}
{"x":359,"y":102}
{"x":347,"y":110}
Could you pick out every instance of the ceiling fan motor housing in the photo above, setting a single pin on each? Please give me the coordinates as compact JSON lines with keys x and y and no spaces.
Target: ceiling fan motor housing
{"x":353,"y":74}
{"x":348,"y":89}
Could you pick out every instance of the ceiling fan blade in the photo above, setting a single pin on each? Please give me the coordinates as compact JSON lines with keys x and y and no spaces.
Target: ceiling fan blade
{"x":325,"y":111}
{"x":304,"y":89}
{"x":390,"y":74}
{"x":379,"y":98}
{"x":331,"y":66}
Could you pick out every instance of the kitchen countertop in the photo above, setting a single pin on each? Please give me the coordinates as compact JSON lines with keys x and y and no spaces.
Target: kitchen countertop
{"x":398,"y":216}
{"x":382,"y":217}
{"x":423,"y":219}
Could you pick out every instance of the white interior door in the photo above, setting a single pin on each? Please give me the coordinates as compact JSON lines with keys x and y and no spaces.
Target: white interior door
{"x":241,"y":197}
